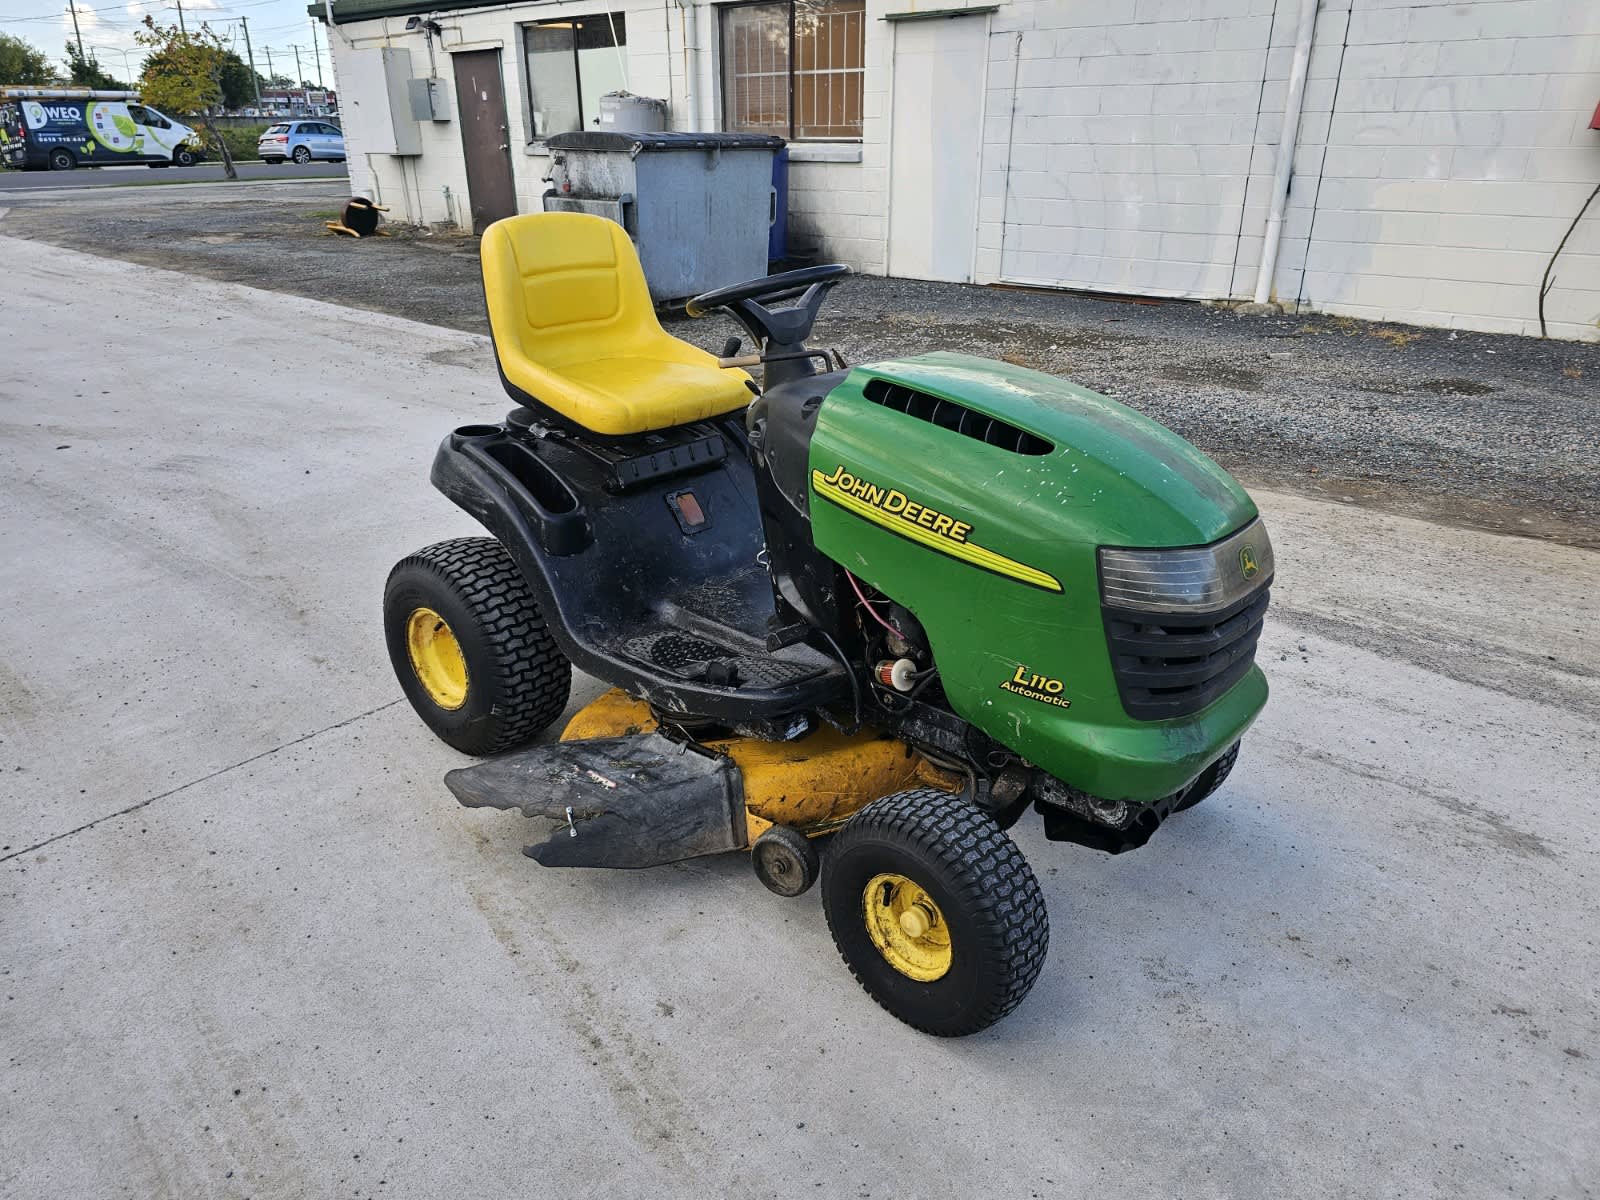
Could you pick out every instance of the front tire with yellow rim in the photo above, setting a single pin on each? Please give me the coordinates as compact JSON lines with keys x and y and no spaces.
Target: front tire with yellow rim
{"x":471,"y":648}
{"x":935,"y":911}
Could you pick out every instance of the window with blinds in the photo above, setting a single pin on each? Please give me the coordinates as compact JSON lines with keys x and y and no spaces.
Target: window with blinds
{"x":794,"y":68}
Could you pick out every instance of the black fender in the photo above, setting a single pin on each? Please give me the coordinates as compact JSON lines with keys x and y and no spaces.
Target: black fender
{"x":608,"y":566}
{"x":510,"y":491}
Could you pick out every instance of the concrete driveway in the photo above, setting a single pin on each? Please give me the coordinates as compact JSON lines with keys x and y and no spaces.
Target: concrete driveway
{"x":249,"y":946}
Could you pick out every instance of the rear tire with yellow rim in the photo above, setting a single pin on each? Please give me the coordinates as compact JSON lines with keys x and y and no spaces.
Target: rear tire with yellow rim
{"x":935,"y":911}
{"x":471,"y":648}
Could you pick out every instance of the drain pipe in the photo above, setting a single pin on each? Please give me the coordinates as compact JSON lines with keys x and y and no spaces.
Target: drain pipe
{"x":689,"y":40}
{"x":1305,"y":32}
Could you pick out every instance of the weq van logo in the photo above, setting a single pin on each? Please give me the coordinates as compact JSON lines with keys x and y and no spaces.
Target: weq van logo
{"x":39,"y":115}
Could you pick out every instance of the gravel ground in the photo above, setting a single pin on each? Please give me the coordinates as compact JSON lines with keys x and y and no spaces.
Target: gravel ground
{"x":1471,"y":429}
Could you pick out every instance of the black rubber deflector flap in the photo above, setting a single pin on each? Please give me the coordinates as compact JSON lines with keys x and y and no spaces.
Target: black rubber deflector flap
{"x":636,"y":801}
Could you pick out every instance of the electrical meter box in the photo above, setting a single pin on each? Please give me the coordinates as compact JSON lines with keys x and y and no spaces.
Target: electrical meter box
{"x":376,"y":106}
{"x":430,"y":100}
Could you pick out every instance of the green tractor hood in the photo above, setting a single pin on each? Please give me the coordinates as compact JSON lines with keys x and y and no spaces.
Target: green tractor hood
{"x":977,"y":494}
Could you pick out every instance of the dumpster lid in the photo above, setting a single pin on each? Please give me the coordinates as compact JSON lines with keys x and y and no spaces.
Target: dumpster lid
{"x":636,"y":143}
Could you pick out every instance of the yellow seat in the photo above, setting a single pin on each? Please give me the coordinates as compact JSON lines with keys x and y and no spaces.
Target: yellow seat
{"x":574,"y":329}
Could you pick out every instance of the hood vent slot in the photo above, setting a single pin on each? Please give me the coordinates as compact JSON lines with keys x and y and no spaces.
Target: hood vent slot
{"x":957,"y":418}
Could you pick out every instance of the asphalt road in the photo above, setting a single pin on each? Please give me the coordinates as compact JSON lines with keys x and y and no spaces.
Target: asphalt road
{"x":249,"y":946}
{"x":87,"y":177}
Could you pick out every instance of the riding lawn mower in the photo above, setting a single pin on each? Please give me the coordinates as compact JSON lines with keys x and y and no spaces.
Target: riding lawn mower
{"x":857,"y":621}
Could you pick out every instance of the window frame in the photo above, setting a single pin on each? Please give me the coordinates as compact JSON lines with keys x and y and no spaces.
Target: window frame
{"x":614,"y":19}
{"x":723,"y":81}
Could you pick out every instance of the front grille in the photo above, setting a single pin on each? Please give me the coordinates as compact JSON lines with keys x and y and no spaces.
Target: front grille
{"x":1171,"y":665}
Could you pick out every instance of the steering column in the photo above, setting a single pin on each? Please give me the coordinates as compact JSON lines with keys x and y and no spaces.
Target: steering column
{"x":780,"y":333}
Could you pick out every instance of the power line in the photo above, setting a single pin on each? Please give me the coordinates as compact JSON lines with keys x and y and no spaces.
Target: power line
{"x":220,"y":13}
{"x":83,"y":8}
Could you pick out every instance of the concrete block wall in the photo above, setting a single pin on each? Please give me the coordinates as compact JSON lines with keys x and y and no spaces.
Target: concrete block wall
{"x":415,"y":186}
{"x":1316,"y":116}
{"x":836,"y":189}
{"x":1442,"y":151}
{"x":1442,"y":148}
{"x":1118,"y":142}
{"x":1458,"y":154}
{"x":838,"y":192}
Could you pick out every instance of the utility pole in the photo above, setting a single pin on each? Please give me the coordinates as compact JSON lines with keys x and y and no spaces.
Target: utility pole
{"x":271,"y":74}
{"x":255,"y":80}
{"x":182,"y":28}
{"x":73,"y":9}
{"x":317,"y":50}
{"x":299,"y":79}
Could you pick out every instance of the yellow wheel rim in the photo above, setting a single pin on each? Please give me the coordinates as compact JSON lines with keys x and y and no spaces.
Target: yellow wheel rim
{"x":436,"y":658}
{"x":907,"y":927}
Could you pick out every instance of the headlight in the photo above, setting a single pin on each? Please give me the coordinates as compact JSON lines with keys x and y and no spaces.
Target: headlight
{"x":1201,"y":579}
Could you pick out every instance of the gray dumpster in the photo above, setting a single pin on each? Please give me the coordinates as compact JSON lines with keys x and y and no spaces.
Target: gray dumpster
{"x":699,"y":206}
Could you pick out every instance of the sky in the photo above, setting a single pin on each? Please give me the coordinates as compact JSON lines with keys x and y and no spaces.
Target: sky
{"x":277,"y":26}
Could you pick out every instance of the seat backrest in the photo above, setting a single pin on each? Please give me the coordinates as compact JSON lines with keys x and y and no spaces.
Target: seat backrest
{"x":566,"y":288}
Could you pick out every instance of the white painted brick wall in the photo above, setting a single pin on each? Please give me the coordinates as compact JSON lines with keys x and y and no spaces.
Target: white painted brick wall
{"x":1457,"y":156}
{"x":1141,"y":127}
{"x":1442,"y":150}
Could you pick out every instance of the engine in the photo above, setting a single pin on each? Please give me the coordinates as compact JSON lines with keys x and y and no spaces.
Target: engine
{"x":1071,"y":580}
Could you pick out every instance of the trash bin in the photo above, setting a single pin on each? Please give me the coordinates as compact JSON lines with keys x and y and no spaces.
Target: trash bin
{"x":699,"y":206}
{"x":778,"y":239}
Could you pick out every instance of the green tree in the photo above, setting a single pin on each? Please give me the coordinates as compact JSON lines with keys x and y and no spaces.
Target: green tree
{"x":237,"y":90}
{"x":183,"y":76}
{"x":84,"y":71}
{"x":21,"y":63}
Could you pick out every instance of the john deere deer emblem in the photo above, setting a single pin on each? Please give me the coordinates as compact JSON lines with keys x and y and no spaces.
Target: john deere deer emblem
{"x":1247,"y":562}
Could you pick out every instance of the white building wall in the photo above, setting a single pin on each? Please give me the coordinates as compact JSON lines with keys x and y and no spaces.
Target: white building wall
{"x":836,"y":189}
{"x":1443,"y":149}
{"x":1130,"y":147}
{"x":1458,"y":155}
{"x":1119,"y":142}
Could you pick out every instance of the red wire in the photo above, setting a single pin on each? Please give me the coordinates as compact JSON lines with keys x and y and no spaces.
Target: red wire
{"x":856,"y":587}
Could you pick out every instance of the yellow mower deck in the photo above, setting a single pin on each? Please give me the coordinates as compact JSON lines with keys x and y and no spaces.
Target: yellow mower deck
{"x":814,"y":784}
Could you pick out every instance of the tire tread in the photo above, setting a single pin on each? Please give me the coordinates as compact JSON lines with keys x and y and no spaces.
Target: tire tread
{"x":989,"y":875}
{"x":534,"y":677}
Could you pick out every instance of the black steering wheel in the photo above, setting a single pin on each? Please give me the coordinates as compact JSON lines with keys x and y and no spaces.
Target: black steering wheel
{"x":786,"y":326}
{"x":769,"y":287}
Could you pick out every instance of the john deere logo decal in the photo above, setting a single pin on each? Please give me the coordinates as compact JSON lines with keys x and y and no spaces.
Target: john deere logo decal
{"x":1247,"y":561}
{"x":893,"y":510}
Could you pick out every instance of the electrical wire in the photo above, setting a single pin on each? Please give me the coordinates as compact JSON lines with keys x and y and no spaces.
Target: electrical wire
{"x":856,"y":588}
{"x":1547,"y":283}
{"x":855,"y":684}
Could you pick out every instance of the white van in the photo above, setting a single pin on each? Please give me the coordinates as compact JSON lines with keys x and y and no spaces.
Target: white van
{"x":61,"y":128}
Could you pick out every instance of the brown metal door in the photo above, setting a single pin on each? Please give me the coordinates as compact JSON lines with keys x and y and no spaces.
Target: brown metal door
{"x":485,"y":137}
